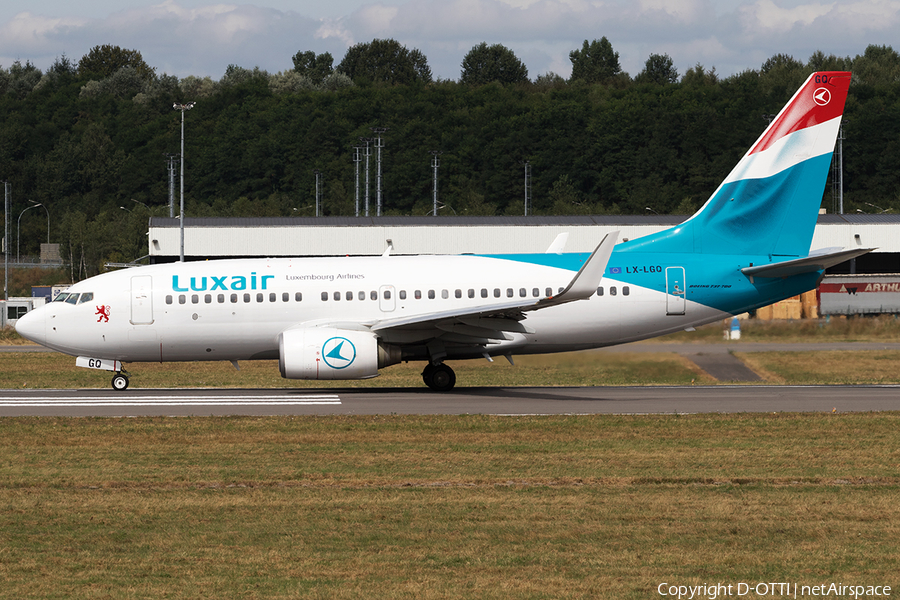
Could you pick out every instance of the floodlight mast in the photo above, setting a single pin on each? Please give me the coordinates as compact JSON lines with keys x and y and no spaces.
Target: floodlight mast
{"x":435,"y":163}
{"x":182,"y":108}
{"x":6,"y":240}
{"x":379,"y":144}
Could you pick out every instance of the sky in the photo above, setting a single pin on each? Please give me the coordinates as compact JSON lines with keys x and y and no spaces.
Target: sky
{"x":203,"y":37}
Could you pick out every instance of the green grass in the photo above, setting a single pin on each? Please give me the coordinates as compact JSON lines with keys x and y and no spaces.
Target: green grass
{"x":444,"y":507}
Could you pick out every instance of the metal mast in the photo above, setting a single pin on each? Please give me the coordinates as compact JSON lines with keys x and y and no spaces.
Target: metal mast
{"x":435,"y":163}
{"x":379,"y":144}
{"x":182,"y":108}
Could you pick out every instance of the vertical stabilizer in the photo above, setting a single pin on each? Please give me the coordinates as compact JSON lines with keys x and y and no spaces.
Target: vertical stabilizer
{"x":769,"y":202}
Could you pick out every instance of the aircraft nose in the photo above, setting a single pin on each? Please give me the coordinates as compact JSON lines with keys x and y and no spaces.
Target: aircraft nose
{"x":32,"y":326}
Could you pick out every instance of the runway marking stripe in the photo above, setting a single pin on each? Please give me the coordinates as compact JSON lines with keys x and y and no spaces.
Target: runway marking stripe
{"x":93,"y":401}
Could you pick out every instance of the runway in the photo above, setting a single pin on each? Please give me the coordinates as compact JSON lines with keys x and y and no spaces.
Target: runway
{"x":484,"y":400}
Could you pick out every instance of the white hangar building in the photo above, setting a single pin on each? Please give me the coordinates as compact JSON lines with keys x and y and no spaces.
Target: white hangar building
{"x":209,"y":238}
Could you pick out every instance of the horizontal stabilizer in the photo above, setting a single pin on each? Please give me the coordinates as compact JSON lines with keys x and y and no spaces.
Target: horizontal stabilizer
{"x":809,"y":264}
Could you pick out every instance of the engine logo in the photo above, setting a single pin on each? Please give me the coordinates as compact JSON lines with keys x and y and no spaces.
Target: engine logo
{"x":338,"y":352}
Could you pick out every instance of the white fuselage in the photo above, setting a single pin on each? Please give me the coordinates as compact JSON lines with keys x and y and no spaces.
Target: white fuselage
{"x":236,"y":309}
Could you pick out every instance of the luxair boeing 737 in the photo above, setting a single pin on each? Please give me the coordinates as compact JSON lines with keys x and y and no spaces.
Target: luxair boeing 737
{"x":346,"y":318}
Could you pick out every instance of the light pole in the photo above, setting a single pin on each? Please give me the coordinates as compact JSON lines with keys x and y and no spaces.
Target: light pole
{"x":317,"y":172}
{"x":379,"y":144}
{"x":182,"y":108}
{"x":435,"y":163}
{"x":19,"y":230}
{"x":6,"y":240}
{"x":367,"y":154}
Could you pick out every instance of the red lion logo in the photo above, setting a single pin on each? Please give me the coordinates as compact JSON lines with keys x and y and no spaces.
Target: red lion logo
{"x":103,"y":311}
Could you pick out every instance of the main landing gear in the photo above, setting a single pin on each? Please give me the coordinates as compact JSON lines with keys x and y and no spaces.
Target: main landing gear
{"x":439,"y":377}
{"x":120,"y":381}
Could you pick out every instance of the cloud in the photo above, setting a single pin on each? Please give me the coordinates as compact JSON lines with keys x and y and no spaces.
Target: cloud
{"x":732,"y":35}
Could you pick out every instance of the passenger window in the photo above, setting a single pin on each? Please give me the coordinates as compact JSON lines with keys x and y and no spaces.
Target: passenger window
{"x":548,"y":292}
{"x":418,"y":294}
{"x":522,"y":292}
{"x":535,"y":292}
{"x":612,"y":290}
{"x":431,"y":294}
{"x":337,"y":295}
{"x":496,"y":292}
{"x":484,"y":293}
{"x":195,"y":299}
{"x":373,"y":295}
{"x":169,"y":299}
{"x":403,"y":294}
{"x":458,"y":293}
{"x":349,"y":295}
{"x":298,"y":297}
{"x":208,"y":298}
{"x":626,"y":290}
{"x":273,"y":297}
{"x":234,"y":298}
{"x":86,"y":297}
{"x":182,"y":299}
{"x":362,"y":295}
{"x":445,"y":294}
{"x":600,"y":291}
{"x":246,"y":297}
{"x":509,"y":292}
{"x":221,"y":298}
{"x":471,"y":293}
{"x":387,"y":294}
{"x":259,"y":297}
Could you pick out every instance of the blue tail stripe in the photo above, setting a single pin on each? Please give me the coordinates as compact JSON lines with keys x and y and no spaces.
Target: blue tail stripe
{"x":771,"y":216}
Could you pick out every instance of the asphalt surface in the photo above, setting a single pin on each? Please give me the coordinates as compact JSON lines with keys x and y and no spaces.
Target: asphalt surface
{"x":485,"y":400}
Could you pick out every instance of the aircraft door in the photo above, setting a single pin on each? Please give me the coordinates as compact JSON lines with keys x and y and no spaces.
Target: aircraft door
{"x":675,"y":291}
{"x":142,"y":300}
{"x":386,"y":300}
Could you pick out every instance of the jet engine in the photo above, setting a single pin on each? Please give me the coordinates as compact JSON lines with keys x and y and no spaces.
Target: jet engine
{"x":330,"y":353}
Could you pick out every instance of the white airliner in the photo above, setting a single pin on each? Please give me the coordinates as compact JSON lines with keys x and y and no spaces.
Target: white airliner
{"x":346,"y":318}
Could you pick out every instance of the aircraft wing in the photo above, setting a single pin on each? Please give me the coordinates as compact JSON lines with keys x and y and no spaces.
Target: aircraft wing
{"x":816,"y":261}
{"x":481,"y":324}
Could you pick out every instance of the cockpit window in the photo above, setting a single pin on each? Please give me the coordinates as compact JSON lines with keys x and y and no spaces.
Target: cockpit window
{"x":86,"y":297}
{"x":72,"y":299}
{"x":61,"y":297}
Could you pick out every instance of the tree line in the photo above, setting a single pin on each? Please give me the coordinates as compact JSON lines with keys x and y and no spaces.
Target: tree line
{"x":88,"y":139}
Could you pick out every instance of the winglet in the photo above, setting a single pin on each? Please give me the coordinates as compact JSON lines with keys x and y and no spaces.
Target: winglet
{"x":585,"y":282}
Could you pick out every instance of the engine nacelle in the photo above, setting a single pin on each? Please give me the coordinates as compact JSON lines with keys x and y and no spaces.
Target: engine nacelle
{"x":329,"y":353}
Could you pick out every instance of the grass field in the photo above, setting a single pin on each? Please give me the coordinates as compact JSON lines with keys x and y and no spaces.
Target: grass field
{"x":445,"y":507}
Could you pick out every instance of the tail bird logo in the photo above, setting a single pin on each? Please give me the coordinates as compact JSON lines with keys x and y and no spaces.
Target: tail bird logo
{"x":338,"y":352}
{"x":822,"y":96}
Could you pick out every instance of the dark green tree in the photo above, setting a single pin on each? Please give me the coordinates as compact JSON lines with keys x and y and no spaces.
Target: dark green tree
{"x":385,"y":61}
{"x":103,"y":61}
{"x":595,"y":62}
{"x":658,"y":69}
{"x":878,"y":65}
{"x":314,"y":66}
{"x":484,"y":64}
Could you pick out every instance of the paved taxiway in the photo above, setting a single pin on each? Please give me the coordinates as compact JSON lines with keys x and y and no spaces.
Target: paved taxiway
{"x":486,"y":400}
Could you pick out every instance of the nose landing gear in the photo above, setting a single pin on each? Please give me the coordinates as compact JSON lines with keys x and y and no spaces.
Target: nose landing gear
{"x":120,"y":381}
{"x":439,"y":377}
